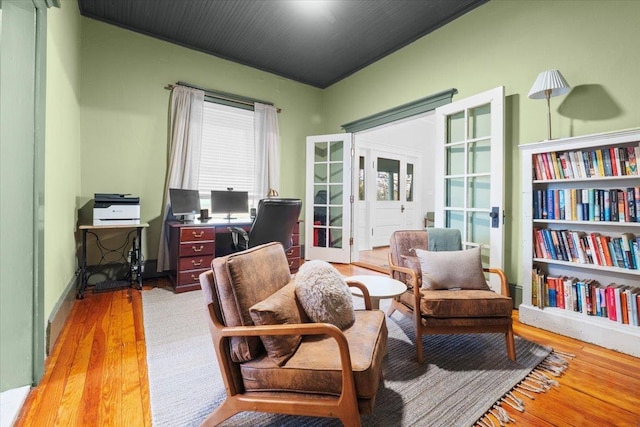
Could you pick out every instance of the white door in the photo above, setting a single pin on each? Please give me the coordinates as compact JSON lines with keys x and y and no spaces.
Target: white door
{"x":392,"y":196}
{"x":328,"y":198}
{"x":469,"y":173}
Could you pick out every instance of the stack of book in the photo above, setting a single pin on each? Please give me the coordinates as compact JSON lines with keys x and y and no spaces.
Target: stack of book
{"x":616,"y":302}
{"x":580,"y":164}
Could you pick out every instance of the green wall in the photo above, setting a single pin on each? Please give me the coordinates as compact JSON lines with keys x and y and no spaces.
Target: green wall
{"x":62,"y":149}
{"x":125,"y":108}
{"x":594,"y":44}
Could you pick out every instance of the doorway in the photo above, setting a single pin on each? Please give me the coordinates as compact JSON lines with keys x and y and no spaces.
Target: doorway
{"x":393,"y":179}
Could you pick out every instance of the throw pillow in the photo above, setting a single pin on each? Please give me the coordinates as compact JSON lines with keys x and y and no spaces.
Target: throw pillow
{"x":281,"y":308}
{"x":324,"y":295}
{"x":452,"y":269}
{"x":412,"y":262}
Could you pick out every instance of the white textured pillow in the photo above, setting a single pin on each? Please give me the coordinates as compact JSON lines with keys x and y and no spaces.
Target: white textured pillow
{"x":452,"y":269}
{"x":324,"y":295}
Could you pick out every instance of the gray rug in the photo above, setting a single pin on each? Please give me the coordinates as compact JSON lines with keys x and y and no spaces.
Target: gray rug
{"x":462,"y":377}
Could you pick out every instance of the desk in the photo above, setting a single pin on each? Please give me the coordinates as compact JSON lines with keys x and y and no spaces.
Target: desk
{"x":115,"y":255}
{"x":379,"y":287}
{"x":193,"y":245}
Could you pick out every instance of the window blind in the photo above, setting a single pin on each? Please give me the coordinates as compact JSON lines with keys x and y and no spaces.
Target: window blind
{"x":228,"y":153}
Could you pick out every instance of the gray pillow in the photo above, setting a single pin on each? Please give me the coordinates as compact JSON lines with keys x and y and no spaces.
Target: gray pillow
{"x":324,"y":295}
{"x":452,"y":269}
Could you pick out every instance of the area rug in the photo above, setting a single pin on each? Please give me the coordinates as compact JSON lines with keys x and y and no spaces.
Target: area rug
{"x":461,"y":379}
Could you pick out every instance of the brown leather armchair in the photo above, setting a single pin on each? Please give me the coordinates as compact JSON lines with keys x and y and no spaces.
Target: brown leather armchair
{"x":445,"y":311}
{"x":330,"y":373}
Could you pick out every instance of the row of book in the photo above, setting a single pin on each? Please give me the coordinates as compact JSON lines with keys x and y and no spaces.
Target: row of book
{"x":616,"y":302}
{"x":579,"y":164}
{"x":592,"y":248}
{"x":588,"y":204}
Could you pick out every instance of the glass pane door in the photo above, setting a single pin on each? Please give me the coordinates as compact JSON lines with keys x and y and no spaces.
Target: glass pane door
{"x":328,"y":208}
{"x":470,"y":172}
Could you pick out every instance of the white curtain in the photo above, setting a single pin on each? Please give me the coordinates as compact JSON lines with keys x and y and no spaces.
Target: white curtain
{"x":185,"y":141}
{"x":267,"y":140}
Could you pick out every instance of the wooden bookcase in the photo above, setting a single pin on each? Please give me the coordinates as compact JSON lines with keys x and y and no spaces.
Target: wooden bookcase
{"x":594,"y":329}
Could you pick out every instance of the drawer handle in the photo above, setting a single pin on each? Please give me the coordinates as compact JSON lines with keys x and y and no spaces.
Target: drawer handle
{"x":197,"y":249}
{"x":198,"y":235}
{"x":290,"y":252}
{"x":290,"y":263}
{"x":196,"y":263}
{"x":193,"y":277}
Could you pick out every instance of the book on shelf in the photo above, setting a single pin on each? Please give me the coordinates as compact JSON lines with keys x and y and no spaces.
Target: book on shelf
{"x":615,"y":161}
{"x":632,"y":156}
{"x":628,"y":251}
{"x":631,"y":205}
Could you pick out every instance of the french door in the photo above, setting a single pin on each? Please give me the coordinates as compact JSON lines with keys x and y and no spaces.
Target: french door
{"x":328,"y":198}
{"x":469,"y":173}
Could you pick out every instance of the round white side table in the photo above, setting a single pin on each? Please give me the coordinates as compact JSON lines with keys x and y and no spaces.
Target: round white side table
{"x":379,"y":287}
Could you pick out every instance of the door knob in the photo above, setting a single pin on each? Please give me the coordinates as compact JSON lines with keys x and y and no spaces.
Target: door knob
{"x":495,"y":217}
{"x":401,"y":208}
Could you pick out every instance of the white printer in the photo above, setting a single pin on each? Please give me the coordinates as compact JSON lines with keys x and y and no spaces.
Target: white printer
{"x":115,"y":209}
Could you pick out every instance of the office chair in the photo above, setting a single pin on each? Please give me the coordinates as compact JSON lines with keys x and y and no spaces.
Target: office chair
{"x":274,"y":222}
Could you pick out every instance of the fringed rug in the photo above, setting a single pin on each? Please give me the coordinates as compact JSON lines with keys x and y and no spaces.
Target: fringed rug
{"x":464,"y":381}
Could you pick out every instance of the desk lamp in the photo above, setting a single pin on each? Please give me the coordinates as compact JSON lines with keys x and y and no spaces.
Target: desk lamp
{"x":549,"y":83}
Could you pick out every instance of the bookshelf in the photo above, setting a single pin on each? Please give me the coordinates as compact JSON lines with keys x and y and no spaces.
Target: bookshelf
{"x":571,"y":191}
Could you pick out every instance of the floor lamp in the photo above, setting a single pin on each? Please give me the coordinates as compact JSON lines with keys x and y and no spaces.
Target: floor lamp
{"x":549,"y":83}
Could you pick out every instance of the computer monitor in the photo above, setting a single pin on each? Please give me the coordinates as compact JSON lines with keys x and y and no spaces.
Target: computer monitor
{"x":229,"y":202}
{"x":184,"y":202}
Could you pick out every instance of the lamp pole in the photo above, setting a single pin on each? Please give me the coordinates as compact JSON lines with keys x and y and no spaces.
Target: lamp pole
{"x":547,"y":94}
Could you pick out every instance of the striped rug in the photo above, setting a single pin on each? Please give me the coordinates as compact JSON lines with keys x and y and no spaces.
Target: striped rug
{"x":461,"y":379}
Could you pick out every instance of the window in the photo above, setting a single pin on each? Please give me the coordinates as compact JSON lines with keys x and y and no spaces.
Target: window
{"x":228,"y":152}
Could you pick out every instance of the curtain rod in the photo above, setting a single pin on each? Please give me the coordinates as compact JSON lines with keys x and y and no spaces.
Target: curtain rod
{"x":238,"y":99}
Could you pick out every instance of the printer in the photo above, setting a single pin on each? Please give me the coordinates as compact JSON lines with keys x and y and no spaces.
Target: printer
{"x":115,"y":209}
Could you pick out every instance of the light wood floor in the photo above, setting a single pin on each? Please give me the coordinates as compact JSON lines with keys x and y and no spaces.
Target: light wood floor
{"x":97,"y":373}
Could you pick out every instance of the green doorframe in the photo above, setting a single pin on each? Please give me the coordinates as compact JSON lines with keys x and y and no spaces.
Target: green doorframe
{"x":38,"y":191}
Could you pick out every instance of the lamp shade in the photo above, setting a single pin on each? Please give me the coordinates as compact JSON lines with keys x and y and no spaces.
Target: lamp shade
{"x":549,"y":80}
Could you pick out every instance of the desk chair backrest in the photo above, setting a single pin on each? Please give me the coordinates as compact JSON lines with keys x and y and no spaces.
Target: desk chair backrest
{"x":275,"y":220}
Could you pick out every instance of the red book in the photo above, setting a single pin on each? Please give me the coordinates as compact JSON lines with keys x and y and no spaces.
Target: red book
{"x":611,"y":303}
{"x":595,"y":252}
{"x":560,"y":292}
{"x":614,"y":161}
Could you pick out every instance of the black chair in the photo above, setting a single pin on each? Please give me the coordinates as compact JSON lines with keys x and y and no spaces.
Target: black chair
{"x":274,"y":222}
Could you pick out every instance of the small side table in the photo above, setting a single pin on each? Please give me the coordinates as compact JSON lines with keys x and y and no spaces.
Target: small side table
{"x":134,"y":272}
{"x":379,"y":287}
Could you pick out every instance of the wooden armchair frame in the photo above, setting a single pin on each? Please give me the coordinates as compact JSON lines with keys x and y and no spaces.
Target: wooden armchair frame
{"x":422,"y":329}
{"x":344,"y":407}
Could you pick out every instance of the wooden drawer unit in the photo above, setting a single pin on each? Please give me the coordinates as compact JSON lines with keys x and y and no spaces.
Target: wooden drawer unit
{"x":293,"y":253}
{"x":192,"y":249}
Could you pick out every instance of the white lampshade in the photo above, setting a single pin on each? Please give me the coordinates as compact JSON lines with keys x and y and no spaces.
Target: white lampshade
{"x":549,"y":80}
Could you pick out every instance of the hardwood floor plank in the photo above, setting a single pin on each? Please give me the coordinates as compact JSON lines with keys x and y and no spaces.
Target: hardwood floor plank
{"x":132,"y":412}
{"x":69,"y":405}
{"x":88,"y":406}
{"x":110,"y":403}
